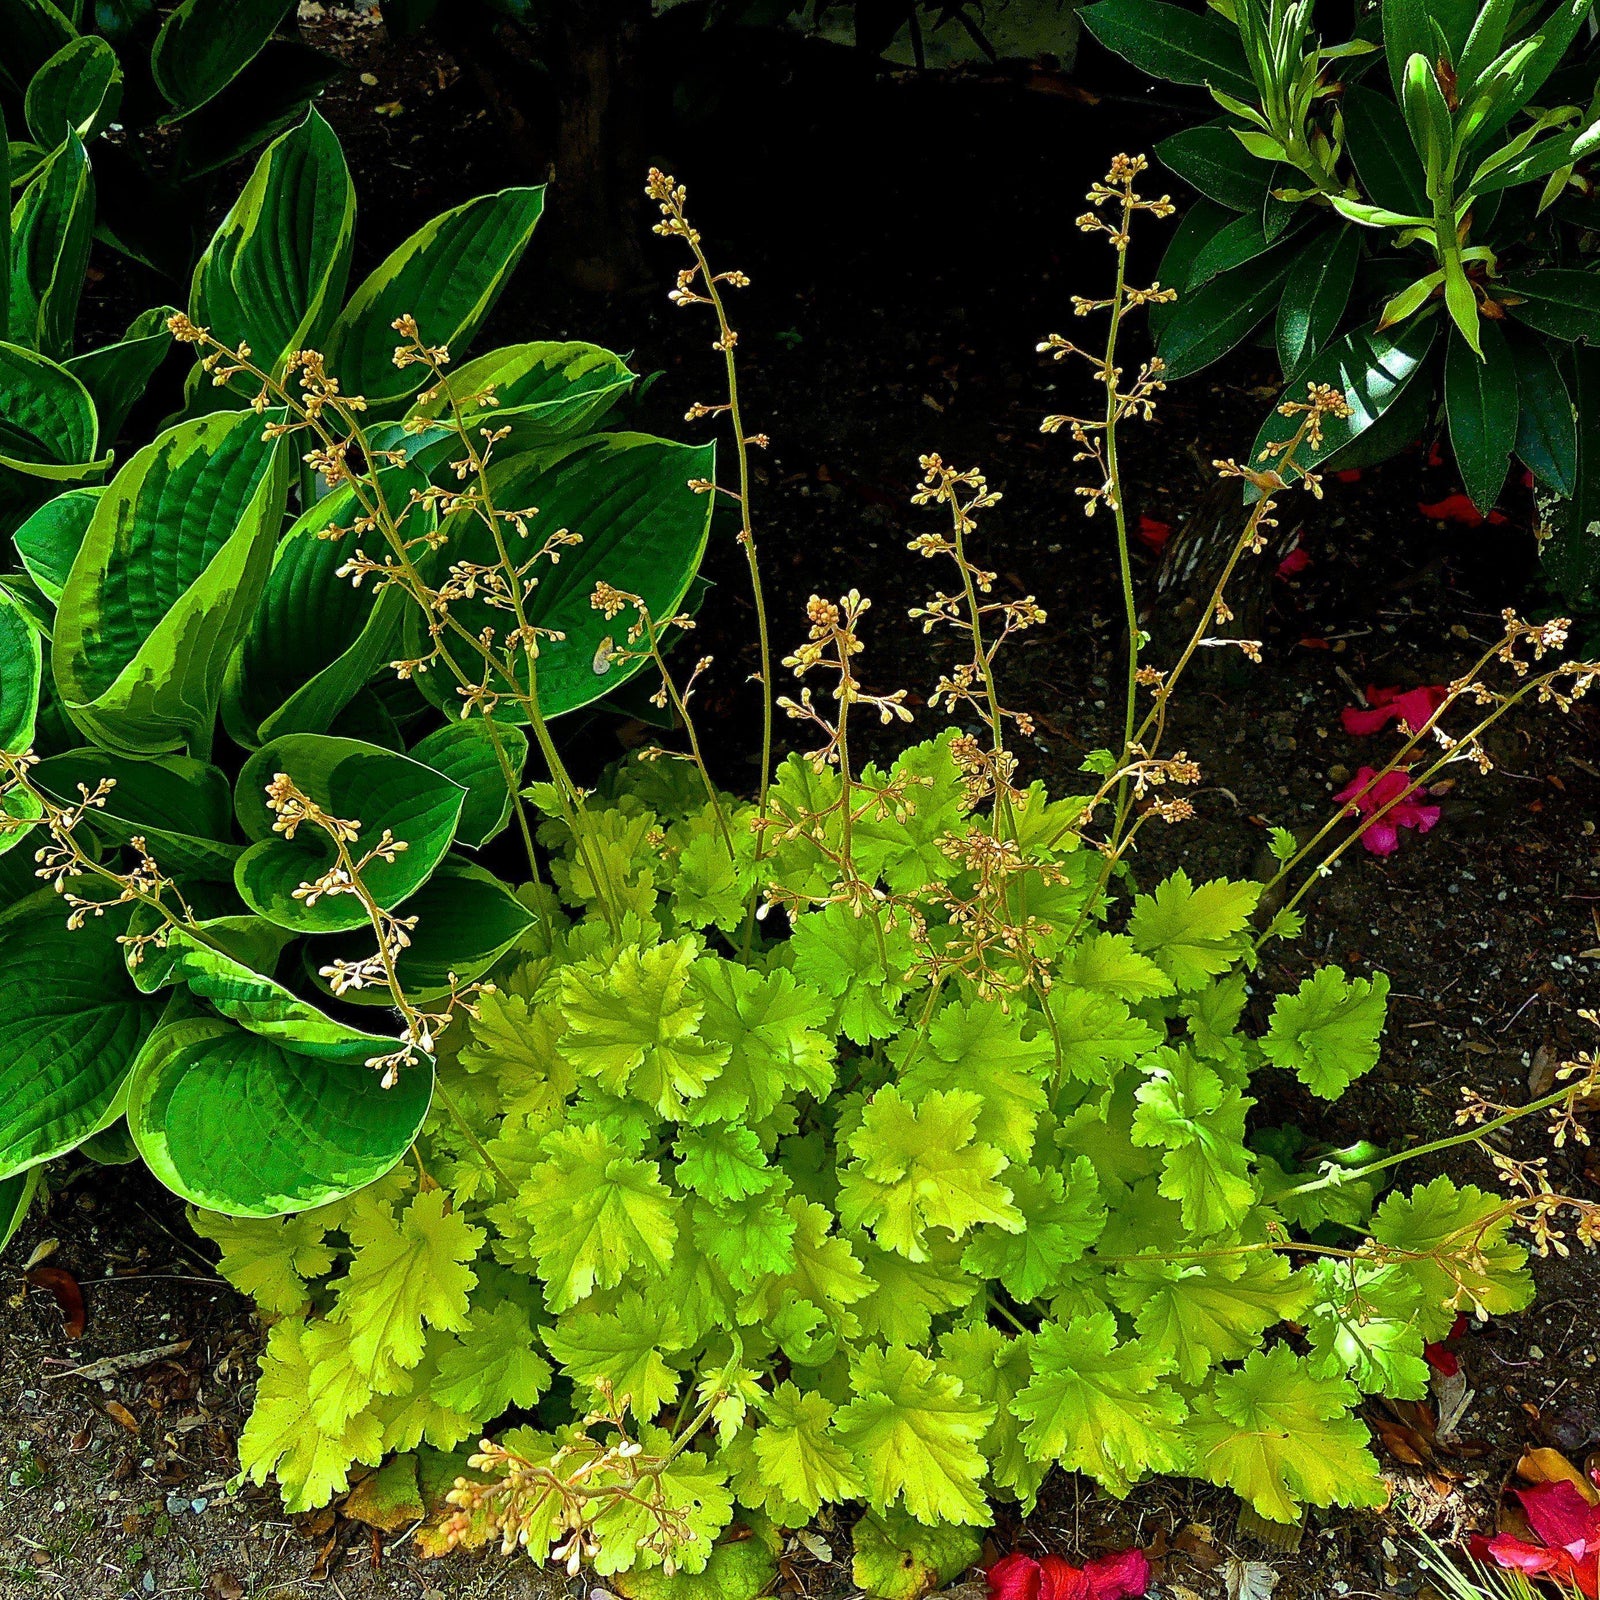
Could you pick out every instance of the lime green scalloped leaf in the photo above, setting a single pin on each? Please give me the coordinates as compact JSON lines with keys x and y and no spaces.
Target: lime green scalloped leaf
{"x":310,"y":1132}
{"x":21,"y":668}
{"x":117,"y":374}
{"x":643,"y":529}
{"x":465,"y":752}
{"x":997,"y":1368}
{"x":51,"y":227}
{"x":448,"y":275}
{"x":49,"y":540}
{"x":275,"y":270}
{"x":1193,"y":933}
{"x":356,"y":782}
{"x":1327,"y":1032}
{"x":742,"y":1569}
{"x":897,"y":1558}
{"x":165,"y":582}
{"x":1063,"y":1215}
{"x":620,"y":1349}
{"x":273,"y":1260}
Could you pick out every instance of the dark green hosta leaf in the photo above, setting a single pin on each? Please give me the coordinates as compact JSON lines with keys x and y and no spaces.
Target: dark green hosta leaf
{"x":1168,"y":41}
{"x":33,"y":31}
{"x":644,"y":530}
{"x":73,"y":1025}
{"x":204,"y":44}
{"x":1371,"y":370}
{"x":1547,"y":432}
{"x":49,"y":540}
{"x":465,"y":751}
{"x":448,"y":275}
{"x":169,"y":573}
{"x":315,"y":638}
{"x":50,"y":230}
{"x":1562,"y":302}
{"x":181,"y":807}
{"x":1209,"y":158}
{"x":1480,"y":399}
{"x":1316,"y":294}
{"x":16,"y":1195}
{"x":356,"y":782}
{"x":111,"y":1147}
{"x":48,"y":427}
{"x":116,"y":375}
{"x":234,"y":1123}
{"x":1380,"y":146}
{"x":275,"y":270}
{"x":466,"y":920}
{"x":21,"y":663}
{"x":1211,"y":321}
{"x":78,"y":89}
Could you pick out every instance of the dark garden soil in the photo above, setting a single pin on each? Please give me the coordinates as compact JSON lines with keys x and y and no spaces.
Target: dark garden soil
{"x":909,"y":243}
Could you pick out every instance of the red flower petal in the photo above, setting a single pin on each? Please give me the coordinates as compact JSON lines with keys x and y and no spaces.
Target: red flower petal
{"x":1441,"y":1360}
{"x":1122,"y":1575}
{"x":1560,"y":1515}
{"x":1152,"y":534}
{"x":1063,"y":1581}
{"x":1297,"y":560}
{"x":1016,"y":1577}
{"x":1348,"y":475}
{"x":1453,"y":508}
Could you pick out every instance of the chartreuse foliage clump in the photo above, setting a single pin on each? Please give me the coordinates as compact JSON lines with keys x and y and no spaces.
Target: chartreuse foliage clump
{"x":882,"y":1138}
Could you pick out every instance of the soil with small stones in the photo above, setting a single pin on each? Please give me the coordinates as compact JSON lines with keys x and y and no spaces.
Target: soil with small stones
{"x":910,"y":241}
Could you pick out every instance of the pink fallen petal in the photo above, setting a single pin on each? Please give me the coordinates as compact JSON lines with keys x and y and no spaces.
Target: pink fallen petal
{"x":1152,"y":534}
{"x":1442,"y":1361}
{"x":1368,"y":794}
{"x":1122,"y":1575}
{"x":1016,"y":1577}
{"x":1560,"y":1515}
{"x":1297,"y":560}
{"x":1409,"y":707}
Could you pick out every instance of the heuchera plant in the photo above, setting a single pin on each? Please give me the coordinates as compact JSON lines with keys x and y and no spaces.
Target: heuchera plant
{"x":877,"y":1139}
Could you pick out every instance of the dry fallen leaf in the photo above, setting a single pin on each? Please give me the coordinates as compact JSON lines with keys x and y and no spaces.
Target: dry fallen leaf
{"x":63,"y":1288}
{"x":120,"y":1413}
{"x":1545,"y":1465}
{"x":1250,"y":1580}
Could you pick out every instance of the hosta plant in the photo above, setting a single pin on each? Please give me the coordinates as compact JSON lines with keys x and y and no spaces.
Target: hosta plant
{"x":1409,"y":209}
{"x":878,"y":1138}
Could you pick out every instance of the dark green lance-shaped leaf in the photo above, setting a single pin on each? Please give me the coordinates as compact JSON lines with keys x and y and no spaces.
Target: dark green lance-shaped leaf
{"x":48,"y":426}
{"x":169,"y":573}
{"x":1211,"y":321}
{"x":448,"y":275}
{"x":1314,"y":298}
{"x":466,"y":752}
{"x":50,"y":231}
{"x":1554,"y":35}
{"x":1562,"y":302}
{"x":1168,"y":41}
{"x":49,"y":540}
{"x":315,"y":638}
{"x":275,"y":270}
{"x":234,"y":1123}
{"x":78,"y":89}
{"x":16,"y":1196}
{"x":1407,"y":31}
{"x":21,"y":664}
{"x":1380,"y":146}
{"x":116,"y":375}
{"x":1572,"y":553}
{"x":643,"y":530}
{"x":1370,"y":369}
{"x":33,"y":30}
{"x":1201,"y":222}
{"x":204,"y":44}
{"x":376,"y":789}
{"x":1547,"y":431}
{"x":182,"y":808}
{"x":1242,"y":240}
{"x":1398,"y":428}
{"x":1480,"y":399}
{"x":466,"y":920}
{"x":73,"y":1025}
{"x":1209,"y":158}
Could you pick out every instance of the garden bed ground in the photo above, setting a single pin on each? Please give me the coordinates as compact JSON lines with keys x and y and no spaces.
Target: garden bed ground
{"x":909,"y":243}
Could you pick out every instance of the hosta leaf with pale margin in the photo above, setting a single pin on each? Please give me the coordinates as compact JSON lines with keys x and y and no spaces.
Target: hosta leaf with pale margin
{"x":913,"y":1432}
{"x":465,"y":752}
{"x":48,"y":541}
{"x":1099,"y":1407}
{"x":180,"y":807}
{"x":272,"y":1261}
{"x":491,"y":1365}
{"x":1063,"y":1215}
{"x":164,"y":584}
{"x":996,"y":1368}
{"x":21,"y":667}
{"x":116,"y":375}
{"x":16,"y":1196}
{"x":204,"y":44}
{"x":275,"y":270}
{"x":1277,"y":1436}
{"x":315,"y":638}
{"x":282,"y":1436}
{"x":358,"y":783}
{"x":1365,"y":1325}
{"x":1098,"y":1035}
{"x":1108,"y":962}
{"x":1193,"y":933}
{"x":1463,"y":1260}
{"x":466,"y":920}
{"x":1327,"y":1032}
{"x":1206,"y":1313}
{"x":35,"y":30}
{"x":800,"y":1455}
{"x":622,"y":1348}
{"x":448,"y":275}
{"x":644,"y":530}
{"x":48,"y":427}
{"x":921,"y":1166}
{"x":73,"y":1026}
{"x":51,"y":226}
{"x":981,"y":1049}
{"x":78,"y":88}
{"x":588,"y":1214}
{"x":317,"y":1130}
{"x":1184,"y":1107}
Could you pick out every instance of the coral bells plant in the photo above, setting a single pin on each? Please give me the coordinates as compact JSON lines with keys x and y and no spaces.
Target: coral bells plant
{"x":882,"y":1139}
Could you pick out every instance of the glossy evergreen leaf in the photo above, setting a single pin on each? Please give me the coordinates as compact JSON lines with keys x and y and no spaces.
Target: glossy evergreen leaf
{"x":1169,"y":41}
{"x":1209,"y":158}
{"x":1547,"y":432}
{"x":1210,"y":322}
{"x":358,"y":783}
{"x":1315,"y":295}
{"x":204,"y":44}
{"x":78,"y":89}
{"x":50,"y":230}
{"x":316,"y":1130}
{"x":1572,"y":554}
{"x":466,"y":753}
{"x":1380,"y":147}
{"x":1480,"y":399}
{"x":1201,"y":222}
{"x":1561,"y":302}
{"x":448,"y":275}
{"x":166,"y":580}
